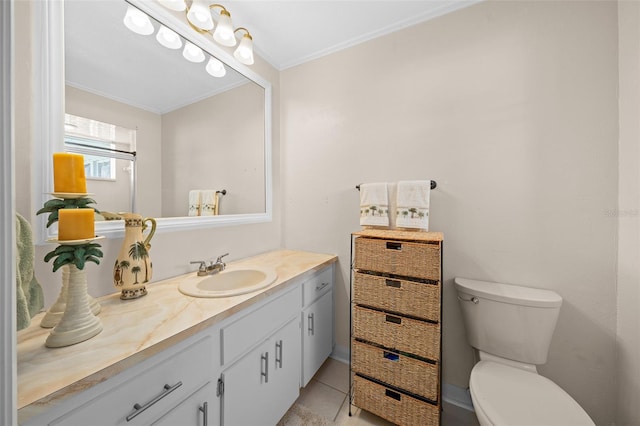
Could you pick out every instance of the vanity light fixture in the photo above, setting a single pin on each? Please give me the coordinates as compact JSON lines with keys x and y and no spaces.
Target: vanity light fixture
{"x":192,"y":52}
{"x":140,"y":23}
{"x":215,"y":67}
{"x":244,"y":52}
{"x":199,"y":15}
{"x":177,"y":5}
{"x":168,"y":38}
{"x":137,"y":21}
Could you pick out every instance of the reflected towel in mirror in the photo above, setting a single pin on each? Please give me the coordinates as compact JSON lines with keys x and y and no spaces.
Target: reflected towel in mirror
{"x":194,"y":202}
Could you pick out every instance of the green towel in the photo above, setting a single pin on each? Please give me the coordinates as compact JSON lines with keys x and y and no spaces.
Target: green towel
{"x":29,"y":297}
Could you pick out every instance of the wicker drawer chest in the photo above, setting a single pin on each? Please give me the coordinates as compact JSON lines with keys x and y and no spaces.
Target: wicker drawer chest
{"x":396,"y":331}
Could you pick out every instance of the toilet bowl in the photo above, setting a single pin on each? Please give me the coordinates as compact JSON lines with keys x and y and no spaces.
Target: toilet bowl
{"x":511,"y":328}
{"x":510,"y":396}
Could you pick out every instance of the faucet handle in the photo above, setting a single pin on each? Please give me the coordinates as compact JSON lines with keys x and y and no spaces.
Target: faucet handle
{"x":203,"y":264}
{"x":219,"y":260}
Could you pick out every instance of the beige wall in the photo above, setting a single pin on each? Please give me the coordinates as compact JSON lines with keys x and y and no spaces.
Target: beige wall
{"x":628,"y":361}
{"x":217,"y":143}
{"x":148,"y":146}
{"x":512,"y":108}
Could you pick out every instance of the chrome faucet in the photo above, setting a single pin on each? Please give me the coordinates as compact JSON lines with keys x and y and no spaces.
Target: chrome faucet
{"x":212,"y":268}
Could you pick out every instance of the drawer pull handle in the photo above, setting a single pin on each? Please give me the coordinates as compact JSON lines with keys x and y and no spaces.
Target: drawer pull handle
{"x":137,"y":408}
{"x":391,"y":356}
{"x":393,"y":245}
{"x":279,"y":353}
{"x":321,"y":286}
{"x":264,"y":372}
{"x":393,"y":283}
{"x":311,"y":327}
{"x":392,"y":394}
{"x":395,"y":320}
{"x":205,"y":413}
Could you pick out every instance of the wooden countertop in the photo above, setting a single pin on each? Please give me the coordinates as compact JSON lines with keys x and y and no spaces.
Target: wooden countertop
{"x":134,"y":330}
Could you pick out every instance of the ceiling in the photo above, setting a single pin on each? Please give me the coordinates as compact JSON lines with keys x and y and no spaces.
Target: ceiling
{"x":103,"y":57}
{"x":288,"y":33}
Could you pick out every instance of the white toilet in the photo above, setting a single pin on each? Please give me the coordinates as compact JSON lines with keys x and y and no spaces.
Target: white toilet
{"x":511,"y":328}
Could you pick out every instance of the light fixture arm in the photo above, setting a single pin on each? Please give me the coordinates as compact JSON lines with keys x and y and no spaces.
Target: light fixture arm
{"x":245,"y":30}
{"x":224,"y":10}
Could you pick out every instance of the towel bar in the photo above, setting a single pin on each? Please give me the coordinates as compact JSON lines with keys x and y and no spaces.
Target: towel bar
{"x":434,"y":184}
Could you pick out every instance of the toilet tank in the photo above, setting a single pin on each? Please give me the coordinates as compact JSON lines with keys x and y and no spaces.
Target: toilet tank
{"x":509,"y":321}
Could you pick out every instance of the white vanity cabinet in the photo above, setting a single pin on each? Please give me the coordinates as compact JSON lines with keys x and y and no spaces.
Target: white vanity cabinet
{"x":261,"y":352}
{"x":244,"y":369}
{"x":317,"y":322}
{"x":144,"y":393}
{"x":261,"y":386}
{"x":198,"y":409}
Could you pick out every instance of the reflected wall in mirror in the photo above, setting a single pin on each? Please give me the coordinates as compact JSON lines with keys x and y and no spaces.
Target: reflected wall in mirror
{"x":194,"y":131}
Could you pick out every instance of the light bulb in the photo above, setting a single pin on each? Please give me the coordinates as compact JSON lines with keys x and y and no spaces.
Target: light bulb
{"x":244,"y":52}
{"x":168,"y":38}
{"x":192,"y":53}
{"x":137,"y":21}
{"x":215,"y":68}
{"x":224,"y":31}
{"x":177,"y":5}
{"x":200,"y":16}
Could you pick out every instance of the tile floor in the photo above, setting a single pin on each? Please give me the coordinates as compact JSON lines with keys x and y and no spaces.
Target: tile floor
{"x":326,"y":395}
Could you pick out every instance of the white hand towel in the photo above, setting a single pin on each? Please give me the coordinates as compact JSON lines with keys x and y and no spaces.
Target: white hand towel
{"x":194,"y":202}
{"x":208,"y":199}
{"x":413,"y":204}
{"x":374,"y":204}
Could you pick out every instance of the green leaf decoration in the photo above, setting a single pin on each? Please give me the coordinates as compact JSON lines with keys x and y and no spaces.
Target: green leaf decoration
{"x":52,"y":206}
{"x":76,"y":254}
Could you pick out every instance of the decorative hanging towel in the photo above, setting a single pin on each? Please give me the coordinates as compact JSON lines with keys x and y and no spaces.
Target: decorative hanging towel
{"x":208,"y":200}
{"x":194,"y":202}
{"x":413,"y":204}
{"x":374,"y":204}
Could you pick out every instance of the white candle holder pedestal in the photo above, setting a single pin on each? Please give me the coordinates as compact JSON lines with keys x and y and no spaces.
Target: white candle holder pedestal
{"x":77,"y":323}
{"x":54,"y":313}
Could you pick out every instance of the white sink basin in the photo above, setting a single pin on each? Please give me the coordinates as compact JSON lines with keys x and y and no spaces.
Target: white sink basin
{"x":230,"y":282}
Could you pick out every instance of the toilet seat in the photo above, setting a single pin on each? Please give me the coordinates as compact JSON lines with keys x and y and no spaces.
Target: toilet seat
{"x":504,"y":395}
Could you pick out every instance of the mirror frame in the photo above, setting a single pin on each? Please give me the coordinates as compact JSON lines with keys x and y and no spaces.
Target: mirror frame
{"x":49,"y":109}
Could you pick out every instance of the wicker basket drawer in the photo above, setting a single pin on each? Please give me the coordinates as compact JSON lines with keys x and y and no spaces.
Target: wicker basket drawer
{"x":410,"y":259}
{"x":394,"y":406}
{"x":391,"y":294}
{"x":396,"y":332}
{"x":398,"y":370}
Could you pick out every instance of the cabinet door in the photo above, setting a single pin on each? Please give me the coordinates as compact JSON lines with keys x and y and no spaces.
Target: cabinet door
{"x":200,"y":409}
{"x":317,"y":336}
{"x":261,"y":386}
{"x":286,"y":347}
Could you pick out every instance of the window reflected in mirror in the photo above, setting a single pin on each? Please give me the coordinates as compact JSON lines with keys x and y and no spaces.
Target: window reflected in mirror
{"x":109,"y":161}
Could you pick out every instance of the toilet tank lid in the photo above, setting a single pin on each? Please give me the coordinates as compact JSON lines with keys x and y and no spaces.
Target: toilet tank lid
{"x":509,"y":293}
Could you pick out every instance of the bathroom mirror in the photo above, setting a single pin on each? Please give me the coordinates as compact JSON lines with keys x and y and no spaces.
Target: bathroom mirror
{"x":194,"y":131}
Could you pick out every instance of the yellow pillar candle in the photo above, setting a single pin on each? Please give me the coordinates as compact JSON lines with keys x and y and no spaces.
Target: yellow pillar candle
{"x":75,"y":224}
{"x":68,"y":173}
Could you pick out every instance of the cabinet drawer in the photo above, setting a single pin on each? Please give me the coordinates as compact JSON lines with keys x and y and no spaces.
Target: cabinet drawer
{"x":168,"y":383}
{"x":396,"y":332}
{"x":416,"y":376}
{"x":254,"y":327}
{"x":316,"y":286}
{"x":392,"y":405}
{"x":391,"y":294}
{"x":410,"y":259}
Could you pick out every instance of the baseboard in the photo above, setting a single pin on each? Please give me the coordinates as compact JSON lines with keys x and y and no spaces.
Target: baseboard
{"x":457,"y":396}
{"x":340,"y":353}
